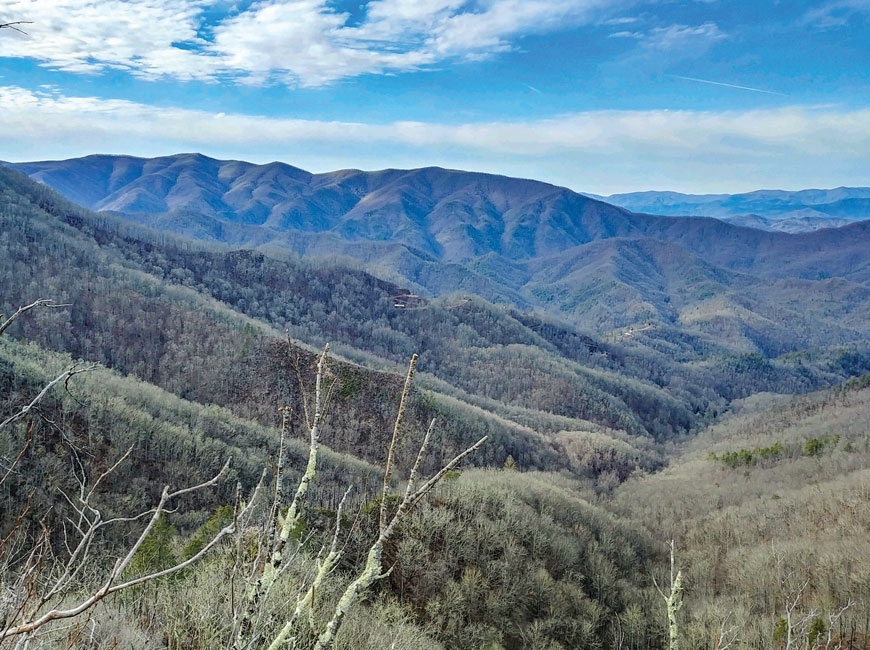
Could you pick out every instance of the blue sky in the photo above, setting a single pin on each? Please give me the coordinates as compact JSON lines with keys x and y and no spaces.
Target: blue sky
{"x":599,"y":95}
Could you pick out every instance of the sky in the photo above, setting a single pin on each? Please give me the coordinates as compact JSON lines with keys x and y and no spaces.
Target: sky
{"x":601,"y":96}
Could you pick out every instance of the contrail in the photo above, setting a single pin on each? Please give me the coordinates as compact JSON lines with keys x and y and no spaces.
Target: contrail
{"x":719,"y":83}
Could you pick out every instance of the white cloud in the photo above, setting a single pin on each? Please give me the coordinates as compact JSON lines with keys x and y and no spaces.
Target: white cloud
{"x":624,"y":20}
{"x":489,"y":29}
{"x":835,"y":14}
{"x":659,"y":49}
{"x":87,"y":36}
{"x":678,"y":37}
{"x":598,"y":151}
{"x":305,"y":41}
{"x":294,"y":41}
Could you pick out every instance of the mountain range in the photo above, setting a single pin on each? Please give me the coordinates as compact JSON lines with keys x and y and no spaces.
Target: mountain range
{"x":512,"y":241}
{"x":629,"y":330}
{"x":591,"y":344}
{"x":800,"y":211}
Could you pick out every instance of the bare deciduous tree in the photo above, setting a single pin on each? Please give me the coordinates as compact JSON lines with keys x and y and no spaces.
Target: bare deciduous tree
{"x":726,"y":635}
{"x":299,"y":629}
{"x":40,"y":585}
{"x":44,"y":580}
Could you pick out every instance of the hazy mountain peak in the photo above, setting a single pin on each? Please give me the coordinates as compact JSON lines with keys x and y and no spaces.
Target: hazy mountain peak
{"x":840,"y":205}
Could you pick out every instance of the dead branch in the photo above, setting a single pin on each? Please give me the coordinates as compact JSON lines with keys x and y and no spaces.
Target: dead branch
{"x":726,"y":635}
{"x":11,"y":466}
{"x":32,"y":618}
{"x":42,"y":302}
{"x":62,"y":377}
{"x":17,"y":22}
{"x":282,"y":524}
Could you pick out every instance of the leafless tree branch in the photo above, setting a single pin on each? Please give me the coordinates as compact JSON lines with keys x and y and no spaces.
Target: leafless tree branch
{"x":62,"y":377}
{"x":32,"y":618}
{"x":13,"y":25}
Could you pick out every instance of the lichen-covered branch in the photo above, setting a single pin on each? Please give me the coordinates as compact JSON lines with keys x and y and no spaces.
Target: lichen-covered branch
{"x":673,"y":602}
{"x":325,"y":564}
{"x":285,"y":523}
{"x":372,"y":572}
{"x":329,"y":558}
{"x":388,"y":469}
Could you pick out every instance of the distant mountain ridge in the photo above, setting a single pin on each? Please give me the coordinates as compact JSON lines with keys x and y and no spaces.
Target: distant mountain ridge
{"x":447,"y":214}
{"x":514,"y":241}
{"x":799,"y":211}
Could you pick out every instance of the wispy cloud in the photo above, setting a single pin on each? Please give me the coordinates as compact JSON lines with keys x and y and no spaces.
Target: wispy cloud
{"x":600,"y":151}
{"x":623,"y":20}
{"x":659,"y":49}
{"x":637,"y":35}
{"x":835,"y":14}
{"x":304,"y":42}
{"x":678,"y":37}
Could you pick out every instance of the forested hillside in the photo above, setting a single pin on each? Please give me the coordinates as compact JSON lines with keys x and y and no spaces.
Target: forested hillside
{"x":601,"y":442}
{"x":533,"y":536}
{"x":508,"y":240}
{"x":769,"y":511}
{"x":660,"y":380}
